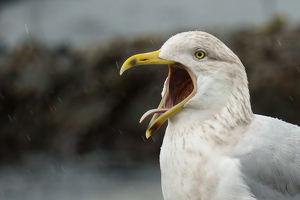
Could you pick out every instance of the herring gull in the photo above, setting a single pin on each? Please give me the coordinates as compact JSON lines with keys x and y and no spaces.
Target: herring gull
{"x":214,"y":146}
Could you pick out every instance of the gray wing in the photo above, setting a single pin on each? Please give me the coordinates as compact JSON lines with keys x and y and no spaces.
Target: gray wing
{"x":272,"y":168}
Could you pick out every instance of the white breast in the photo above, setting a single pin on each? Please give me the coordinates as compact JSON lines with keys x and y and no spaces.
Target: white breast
{"x":191,"y":168}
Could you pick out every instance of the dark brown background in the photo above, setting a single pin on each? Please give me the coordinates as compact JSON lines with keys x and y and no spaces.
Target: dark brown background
{"x":67,"y":102}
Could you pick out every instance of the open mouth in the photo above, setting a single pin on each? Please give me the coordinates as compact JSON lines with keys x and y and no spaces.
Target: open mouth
{"x":179,"y":86}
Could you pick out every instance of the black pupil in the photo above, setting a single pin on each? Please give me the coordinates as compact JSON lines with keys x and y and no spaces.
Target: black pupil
{"x":199,"y":54}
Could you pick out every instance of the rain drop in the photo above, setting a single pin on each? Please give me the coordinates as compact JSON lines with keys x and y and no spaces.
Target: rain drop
{"x":143,"y":138}
{"x":10,"y":118}
{"x":26,"y":28}
{"x":279,"y":42}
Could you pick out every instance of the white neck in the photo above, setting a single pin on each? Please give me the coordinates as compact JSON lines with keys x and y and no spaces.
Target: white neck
{"x":189,"y":153}
{"x":225,"y":106}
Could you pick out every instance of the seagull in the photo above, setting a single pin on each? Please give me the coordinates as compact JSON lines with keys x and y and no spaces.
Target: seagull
{"x":214,"y":146}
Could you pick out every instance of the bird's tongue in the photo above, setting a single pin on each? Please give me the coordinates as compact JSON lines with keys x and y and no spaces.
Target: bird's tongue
{"x":179,"y":86}
{"x":153,"y":111}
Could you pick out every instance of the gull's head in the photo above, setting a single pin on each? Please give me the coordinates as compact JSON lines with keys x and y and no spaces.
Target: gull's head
{"x":203,"y":72}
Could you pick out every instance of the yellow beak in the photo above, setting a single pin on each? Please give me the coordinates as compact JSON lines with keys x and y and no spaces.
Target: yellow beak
{"x":153,"y":58}
{"x":144,"y":59}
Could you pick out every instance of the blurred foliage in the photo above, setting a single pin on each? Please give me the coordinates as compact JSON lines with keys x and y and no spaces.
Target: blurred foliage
{"x":64,"y":101}
{"x":271,"y":55}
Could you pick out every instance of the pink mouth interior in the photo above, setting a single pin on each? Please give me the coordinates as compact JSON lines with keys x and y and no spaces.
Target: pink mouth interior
{"x":180,"y":86}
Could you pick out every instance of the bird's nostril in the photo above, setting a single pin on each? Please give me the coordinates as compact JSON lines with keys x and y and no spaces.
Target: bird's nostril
{"x":133,"y":62}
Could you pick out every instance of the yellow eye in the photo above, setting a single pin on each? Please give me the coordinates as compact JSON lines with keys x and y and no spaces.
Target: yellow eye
{"x":200,"y":54}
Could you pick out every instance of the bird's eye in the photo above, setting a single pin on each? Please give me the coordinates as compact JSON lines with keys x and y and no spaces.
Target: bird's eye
{"x":200,"y":54}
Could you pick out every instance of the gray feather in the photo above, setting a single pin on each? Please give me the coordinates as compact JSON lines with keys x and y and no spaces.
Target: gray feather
{"x":272,"y":169}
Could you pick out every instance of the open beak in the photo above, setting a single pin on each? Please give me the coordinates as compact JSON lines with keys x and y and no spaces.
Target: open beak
{"x":181,"y":86}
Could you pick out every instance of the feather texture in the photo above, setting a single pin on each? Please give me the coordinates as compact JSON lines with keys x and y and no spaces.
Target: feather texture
{"x":216,"y":148}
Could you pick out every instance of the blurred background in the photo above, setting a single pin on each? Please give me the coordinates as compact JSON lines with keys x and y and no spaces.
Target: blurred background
{"x":69,"y":123}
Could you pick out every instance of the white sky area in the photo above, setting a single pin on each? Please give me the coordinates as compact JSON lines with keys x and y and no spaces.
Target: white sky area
{"x":85,"y":22}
